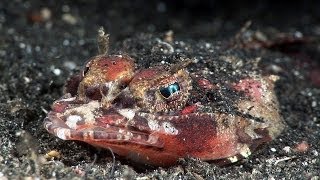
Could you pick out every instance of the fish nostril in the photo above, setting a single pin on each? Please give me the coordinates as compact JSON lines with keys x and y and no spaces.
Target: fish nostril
{"x":85,"y":70}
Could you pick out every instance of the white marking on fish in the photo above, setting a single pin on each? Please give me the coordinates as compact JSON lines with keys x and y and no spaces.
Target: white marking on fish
{"x":153,"y":125}
{"x":62,"y":133}
{"x":169,"y":128}
{"x":72,"y":121}
{"x":128,"y":113}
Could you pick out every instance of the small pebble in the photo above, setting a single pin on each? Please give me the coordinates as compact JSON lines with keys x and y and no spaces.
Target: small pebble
{"x":302,"y":147}
{"x":70,"y":65}
{"x":70,"y":19}
{"x":287,"y":149}
{"x":273,"y":149}
{"x":57,"y":72}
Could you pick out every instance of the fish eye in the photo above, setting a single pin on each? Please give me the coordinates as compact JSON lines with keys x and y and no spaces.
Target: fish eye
{"x":167,"y":91}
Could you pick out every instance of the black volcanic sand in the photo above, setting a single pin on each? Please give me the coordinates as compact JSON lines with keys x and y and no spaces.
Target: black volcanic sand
{"x":39,"y":52}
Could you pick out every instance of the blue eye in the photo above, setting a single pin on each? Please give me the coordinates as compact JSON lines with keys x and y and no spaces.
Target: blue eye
{"x":169,"y":90}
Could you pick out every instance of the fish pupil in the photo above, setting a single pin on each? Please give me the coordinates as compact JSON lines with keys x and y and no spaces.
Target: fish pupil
{"x":169,"y":90}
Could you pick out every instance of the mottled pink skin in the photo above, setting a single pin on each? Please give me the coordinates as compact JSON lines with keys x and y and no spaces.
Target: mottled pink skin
{"x":162,"y":138}
{"x":206,"y":84}
{"x":189,"y":109}
{"x":250,"y":87}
